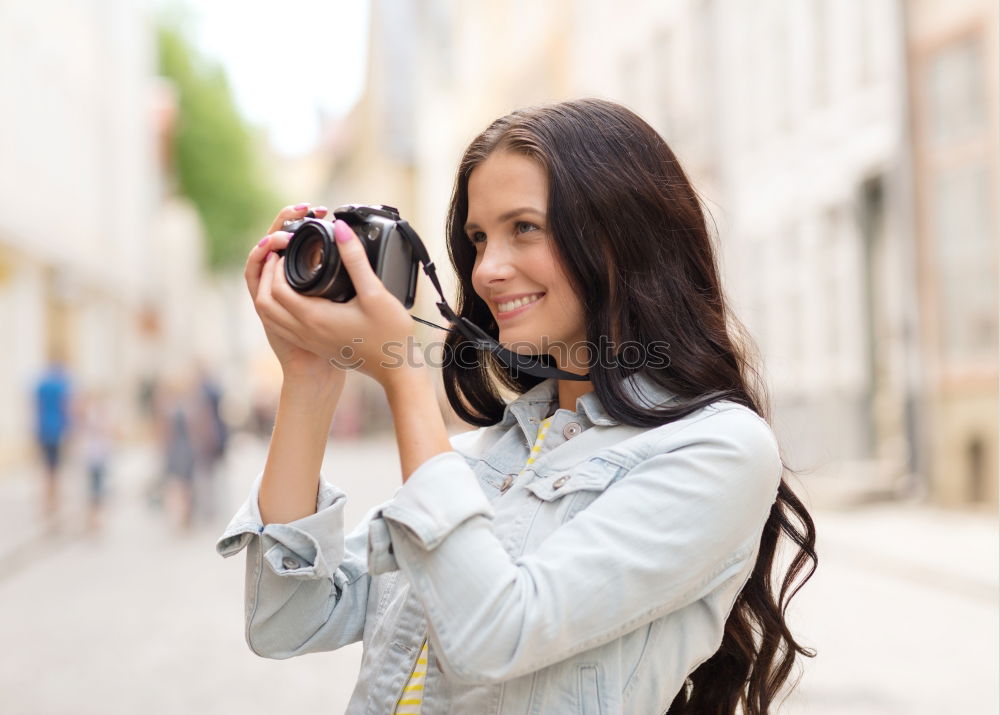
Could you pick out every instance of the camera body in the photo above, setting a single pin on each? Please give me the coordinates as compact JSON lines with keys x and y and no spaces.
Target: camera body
{"x":312,"y":259}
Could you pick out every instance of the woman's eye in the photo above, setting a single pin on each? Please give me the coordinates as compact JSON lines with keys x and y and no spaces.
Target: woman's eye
{"x":477,"y":237}
{"x":525,"y":226}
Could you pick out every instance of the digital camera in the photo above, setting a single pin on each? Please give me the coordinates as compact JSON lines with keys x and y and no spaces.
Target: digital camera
{"x":312,"y":261}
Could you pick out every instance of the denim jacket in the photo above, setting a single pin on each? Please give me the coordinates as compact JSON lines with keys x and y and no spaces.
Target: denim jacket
{"x":594,"y":581}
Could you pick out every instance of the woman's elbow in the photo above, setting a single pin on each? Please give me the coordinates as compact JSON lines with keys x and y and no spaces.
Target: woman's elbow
{"x":268,"y":642}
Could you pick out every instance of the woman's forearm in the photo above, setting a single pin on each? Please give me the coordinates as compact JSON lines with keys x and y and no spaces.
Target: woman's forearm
{"x":291,"y":475}
{"x":420,"y":429}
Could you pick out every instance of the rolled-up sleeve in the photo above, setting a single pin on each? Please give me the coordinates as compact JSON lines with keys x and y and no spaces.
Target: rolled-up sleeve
{"x":306,"y":583}
{"x":440,"y":495}
{"x":679,"y":525}
{"x":310,"y":547}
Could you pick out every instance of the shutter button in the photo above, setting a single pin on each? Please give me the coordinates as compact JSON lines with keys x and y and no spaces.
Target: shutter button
{"x":572,"y":429}
{"x":508,"y":480}
{"x":560,"y":481}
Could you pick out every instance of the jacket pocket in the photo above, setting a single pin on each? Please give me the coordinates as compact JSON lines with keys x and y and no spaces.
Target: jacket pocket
{"x":491,"y":479}
{"x":574,"y":489}
{"x":594,"y":475}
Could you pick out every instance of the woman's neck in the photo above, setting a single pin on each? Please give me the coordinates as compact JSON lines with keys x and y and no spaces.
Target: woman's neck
{"x":570,"y":390}
{"x":571,"y":360}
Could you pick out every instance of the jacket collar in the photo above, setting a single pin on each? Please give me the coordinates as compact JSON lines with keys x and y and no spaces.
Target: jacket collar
{"x":534,"y":405}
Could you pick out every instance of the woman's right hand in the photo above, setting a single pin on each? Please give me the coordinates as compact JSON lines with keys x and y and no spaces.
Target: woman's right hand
{"x":296,"y":361}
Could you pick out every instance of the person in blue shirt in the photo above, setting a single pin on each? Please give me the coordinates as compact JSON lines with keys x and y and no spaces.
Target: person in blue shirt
{"x":52,"y":423}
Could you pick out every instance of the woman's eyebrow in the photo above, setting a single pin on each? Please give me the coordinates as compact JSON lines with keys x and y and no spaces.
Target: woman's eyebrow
{"x":508,"y":215}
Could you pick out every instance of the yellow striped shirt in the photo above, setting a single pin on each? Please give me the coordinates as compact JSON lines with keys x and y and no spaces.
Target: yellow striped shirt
{"x":537,"y":448}
{"x":413,"y":692}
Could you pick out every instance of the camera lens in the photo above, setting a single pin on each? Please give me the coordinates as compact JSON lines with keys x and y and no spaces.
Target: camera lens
{"x":312,"y":256}
{"x":312,"y":263}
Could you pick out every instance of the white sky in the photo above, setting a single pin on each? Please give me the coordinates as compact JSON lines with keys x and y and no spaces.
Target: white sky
{"x":288,"y":61}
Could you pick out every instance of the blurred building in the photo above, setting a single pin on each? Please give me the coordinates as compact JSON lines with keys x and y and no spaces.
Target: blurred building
{"x":99,"y":263}
{"x":76,"y":189}
{"x":797,"y":126}
{"x":953,"y":59}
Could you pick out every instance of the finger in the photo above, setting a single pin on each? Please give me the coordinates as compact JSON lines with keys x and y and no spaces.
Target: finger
{"x":321,"y":211}
{"x":267,"y":306}
{"x":355,"y":259}
{"x":296,"y":304}
{"x":289,"y":213}
{"x":258,"y":254}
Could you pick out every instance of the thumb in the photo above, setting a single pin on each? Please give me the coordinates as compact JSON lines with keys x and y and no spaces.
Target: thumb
{"x":355,"y":259}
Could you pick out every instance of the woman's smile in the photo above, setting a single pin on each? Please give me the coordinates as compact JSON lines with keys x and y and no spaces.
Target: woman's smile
{"x":511,"y":308}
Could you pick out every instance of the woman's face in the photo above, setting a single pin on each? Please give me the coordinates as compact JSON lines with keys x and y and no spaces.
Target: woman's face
{"x":516,"y":270}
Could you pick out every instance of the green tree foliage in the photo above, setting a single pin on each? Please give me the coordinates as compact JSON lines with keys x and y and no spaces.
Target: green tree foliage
{"x":215,"y":153}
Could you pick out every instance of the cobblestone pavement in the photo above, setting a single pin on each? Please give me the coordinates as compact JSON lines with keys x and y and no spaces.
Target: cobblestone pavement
{"x":143,"y":618}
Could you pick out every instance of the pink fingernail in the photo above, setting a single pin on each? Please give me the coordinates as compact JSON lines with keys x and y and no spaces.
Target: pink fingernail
{"x":299,"y":207}
{"x":262,"y":241}
{"x":341,"y":231}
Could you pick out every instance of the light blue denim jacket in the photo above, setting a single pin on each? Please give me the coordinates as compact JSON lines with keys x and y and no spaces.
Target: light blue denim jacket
{"x":594,"y":582}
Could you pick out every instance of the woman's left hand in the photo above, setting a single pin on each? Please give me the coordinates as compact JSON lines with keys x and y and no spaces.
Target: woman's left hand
{"x":370,"y":332}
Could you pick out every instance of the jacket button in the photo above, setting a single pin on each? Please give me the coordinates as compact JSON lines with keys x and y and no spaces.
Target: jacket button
{"x":508,"y":480}
{"x":560,"y":481}
{"x":571,"y":430}
{"x":289,"y":563}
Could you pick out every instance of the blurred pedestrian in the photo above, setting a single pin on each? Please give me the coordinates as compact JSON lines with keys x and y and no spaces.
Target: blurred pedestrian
{"x":210,"y":439}
{"x":177,"y":424}
{"x":52,"y":412}
{"x":263,"y":405}
{"x":96,"y":435}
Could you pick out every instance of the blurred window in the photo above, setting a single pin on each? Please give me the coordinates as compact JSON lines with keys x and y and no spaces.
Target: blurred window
{"x":820,"y":33}
{"x":961,"y":200}
{"x":955,"y":92}
{"x":965,"y":253}
{"x":867,"y":36}
{"x":439,"y":22}
{"x":794,"y":329}
{"x":829,"y":266}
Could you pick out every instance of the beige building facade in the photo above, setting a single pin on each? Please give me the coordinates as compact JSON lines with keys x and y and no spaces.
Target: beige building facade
{"x":954,"y":81}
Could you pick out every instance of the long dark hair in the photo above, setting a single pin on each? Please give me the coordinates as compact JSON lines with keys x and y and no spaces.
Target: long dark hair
{"x":631,"y":234}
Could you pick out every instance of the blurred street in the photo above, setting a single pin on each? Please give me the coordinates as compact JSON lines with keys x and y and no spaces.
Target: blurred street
{"x":147,"y":619}
{"x":144,"y":618}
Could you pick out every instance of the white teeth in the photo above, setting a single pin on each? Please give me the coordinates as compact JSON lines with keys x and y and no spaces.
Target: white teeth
{"x":507,"y":307}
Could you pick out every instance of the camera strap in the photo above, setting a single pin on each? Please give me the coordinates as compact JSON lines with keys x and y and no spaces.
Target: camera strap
{"x":530,"y":364}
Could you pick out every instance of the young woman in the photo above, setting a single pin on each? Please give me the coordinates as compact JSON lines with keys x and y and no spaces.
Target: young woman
{"x":603,"y":543}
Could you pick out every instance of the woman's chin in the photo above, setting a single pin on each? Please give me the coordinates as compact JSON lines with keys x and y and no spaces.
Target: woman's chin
{"x":521,"y":346}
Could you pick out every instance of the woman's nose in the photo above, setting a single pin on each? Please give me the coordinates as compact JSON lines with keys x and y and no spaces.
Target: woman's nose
{"x":494,"y":266}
